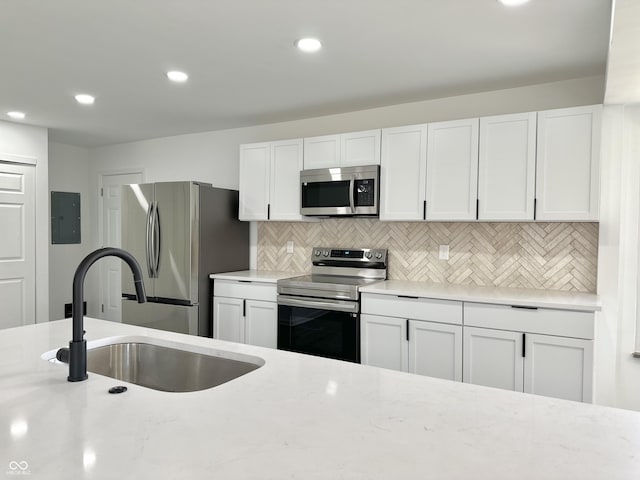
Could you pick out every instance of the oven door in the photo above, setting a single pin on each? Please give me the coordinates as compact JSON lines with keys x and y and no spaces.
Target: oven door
{"x":326,"y":328}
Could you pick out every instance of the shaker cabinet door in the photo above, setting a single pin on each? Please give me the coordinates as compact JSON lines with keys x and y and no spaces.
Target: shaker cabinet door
{"x":384,"y":342}
{"x":228,"y":321}
{"x":261,"y":323}
{"x":286,"y":163}
{"x":402,"y":173}
{"x":452,"y":170}
{"x":435,"y":349}
{"x":322,"y":152}
{"x":568,"y":164}
{"x":493,"y":358}
{"x":507,"y":167}
{"x":559,"y":367}
{"x":255,"y":171}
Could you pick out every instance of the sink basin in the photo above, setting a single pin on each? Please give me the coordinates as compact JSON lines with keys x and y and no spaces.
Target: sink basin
{"x":168,"y":369}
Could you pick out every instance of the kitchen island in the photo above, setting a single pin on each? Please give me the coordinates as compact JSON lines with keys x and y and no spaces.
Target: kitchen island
{"x":295,"y":417}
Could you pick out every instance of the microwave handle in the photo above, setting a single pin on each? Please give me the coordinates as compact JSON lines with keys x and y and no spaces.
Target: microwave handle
{"x":352,"y":185}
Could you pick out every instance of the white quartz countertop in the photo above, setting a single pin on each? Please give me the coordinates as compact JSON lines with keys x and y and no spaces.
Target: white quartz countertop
{"x":266,"y":276}
{"x":296,"y":417}
{"x":524,"y":297}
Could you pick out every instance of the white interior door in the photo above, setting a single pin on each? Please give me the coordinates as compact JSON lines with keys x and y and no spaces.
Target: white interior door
{"x":111,"y":291}
{"x":17,"y":245}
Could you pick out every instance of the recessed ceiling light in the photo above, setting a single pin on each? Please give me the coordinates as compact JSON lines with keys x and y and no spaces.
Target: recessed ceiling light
{"x":16,"y":115}
{"x":309,"y":44}
{"x":85,"y":99}
{"x":176,"y":76}
{"x":513,"y":3}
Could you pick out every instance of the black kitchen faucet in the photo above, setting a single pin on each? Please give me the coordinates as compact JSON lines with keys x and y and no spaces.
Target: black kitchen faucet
{"x":78,"y":345}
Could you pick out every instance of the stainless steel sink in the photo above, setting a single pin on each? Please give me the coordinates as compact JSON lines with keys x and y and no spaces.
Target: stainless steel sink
{"x":164,"y":368}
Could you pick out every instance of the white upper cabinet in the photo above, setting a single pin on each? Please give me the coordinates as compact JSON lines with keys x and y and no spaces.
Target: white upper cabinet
{"x":452,"y":170}
{"x":568,"y":162}
{"x":360,"y":148}
{"x":255,"y":172}
{"x":507,"y":166}
{"x":322,"y":152}
{"x":344,"y":150}
{"x":403,"y":173}
{"x":270,"y":180}
{"x":286,"y":163}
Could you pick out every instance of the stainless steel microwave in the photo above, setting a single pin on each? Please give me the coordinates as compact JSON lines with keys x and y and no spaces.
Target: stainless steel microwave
{"x":342,"y":191}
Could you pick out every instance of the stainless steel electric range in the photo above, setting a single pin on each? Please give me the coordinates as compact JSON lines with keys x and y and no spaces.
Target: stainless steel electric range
{"x":319,"y":314}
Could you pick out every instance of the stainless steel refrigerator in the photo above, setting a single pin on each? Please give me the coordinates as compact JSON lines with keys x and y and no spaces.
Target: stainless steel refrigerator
{"x":180,"y":232}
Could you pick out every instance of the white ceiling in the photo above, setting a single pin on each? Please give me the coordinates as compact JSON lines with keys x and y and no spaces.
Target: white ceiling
{"x":244,"y":69}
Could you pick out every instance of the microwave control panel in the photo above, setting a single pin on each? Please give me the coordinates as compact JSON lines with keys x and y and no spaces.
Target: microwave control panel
{"x":364,"y":193}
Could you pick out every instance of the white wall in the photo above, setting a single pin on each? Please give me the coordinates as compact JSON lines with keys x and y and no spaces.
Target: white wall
{"x":68,"y":172}
{"x":31,"y":142}
{"x":213,"y":156}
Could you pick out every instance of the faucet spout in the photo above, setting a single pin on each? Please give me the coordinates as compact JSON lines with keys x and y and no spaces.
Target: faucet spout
{"x":78,"y":345}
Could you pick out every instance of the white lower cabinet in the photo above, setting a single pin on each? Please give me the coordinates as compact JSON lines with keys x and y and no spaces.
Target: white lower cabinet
{"x":525,"y":349}
{"x":493,"y":358}
{"x":432,"y":349}
{"x":412,"y":342}
{"x":384,"y":342}
{"x":559,"y":367}
{"x":260,"y":324}
{"x":435,"y":350}
{"x":542,"y":363}
{"x":245,"y":312}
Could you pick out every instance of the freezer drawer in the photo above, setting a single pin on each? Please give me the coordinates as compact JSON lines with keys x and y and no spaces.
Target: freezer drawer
{"x":174,"y":318}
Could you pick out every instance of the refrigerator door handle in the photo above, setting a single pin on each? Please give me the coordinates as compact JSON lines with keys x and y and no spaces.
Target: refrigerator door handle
{"x":156,"y":240}
{"x":147,"y":246}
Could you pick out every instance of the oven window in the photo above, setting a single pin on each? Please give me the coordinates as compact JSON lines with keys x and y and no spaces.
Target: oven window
{"x":319,"y":332}
{"x":325,"y":194}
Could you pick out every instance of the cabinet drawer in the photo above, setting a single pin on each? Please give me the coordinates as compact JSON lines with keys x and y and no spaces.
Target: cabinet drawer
{"x":564,"y":323}
{"x":248,"y":290}
{"x":443,"y":311}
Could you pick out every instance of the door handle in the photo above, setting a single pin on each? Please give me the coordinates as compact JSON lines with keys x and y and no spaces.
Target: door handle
{"x":147,"y":245}
{"x":156,"y":240}
{"x":352,"y":184}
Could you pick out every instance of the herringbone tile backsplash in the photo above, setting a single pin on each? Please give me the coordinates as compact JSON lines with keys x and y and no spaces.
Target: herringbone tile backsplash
{"x":553,"y":256}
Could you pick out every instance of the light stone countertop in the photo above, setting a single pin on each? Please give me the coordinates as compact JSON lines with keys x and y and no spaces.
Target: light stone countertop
{"x":266,"y":276}
{"x":296,"y":417}
{"x":524,"y":297}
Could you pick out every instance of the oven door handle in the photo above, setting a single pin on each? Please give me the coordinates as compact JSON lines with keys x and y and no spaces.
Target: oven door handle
{"x":335,"y":305}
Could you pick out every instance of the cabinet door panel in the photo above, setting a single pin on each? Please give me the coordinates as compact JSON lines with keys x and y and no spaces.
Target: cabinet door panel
{"x":360,"y":148}
{"x":255,"y":170}
{"x":286,"y":163}
{"x":493,"y":358}
{"x":559,"y":367}
{"x":452,"y":170}
{"x":228,"y":322}
{"x":384,"y":342}
{"x":322,"y":152}
{"x":507,"y":166}
{"x":568,"y":162}
{"x":402,"y":173}
{"x":435,"y":350}
{"x":261,"y":324}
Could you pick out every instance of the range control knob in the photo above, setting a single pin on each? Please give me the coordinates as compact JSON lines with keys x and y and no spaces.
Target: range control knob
{"x":378,"y":255}
{"x":325,"y":253}
{"x":367,"y":254}
{"x":317,"y":253}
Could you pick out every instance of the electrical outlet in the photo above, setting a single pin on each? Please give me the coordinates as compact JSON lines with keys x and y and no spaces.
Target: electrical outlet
{"x":443,"y":253}
{"x":290,"y":246}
